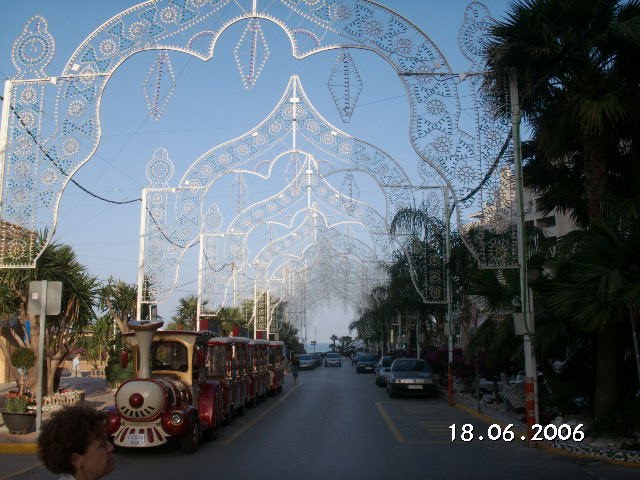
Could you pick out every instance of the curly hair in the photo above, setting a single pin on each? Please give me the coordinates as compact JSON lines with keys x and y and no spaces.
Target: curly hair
{"x":68,"y":431}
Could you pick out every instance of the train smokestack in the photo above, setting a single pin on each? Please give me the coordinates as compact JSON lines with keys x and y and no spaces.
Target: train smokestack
{"x":144,"y":331}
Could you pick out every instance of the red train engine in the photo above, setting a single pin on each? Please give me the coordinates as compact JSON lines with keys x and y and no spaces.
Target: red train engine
{"x":172,"y":396}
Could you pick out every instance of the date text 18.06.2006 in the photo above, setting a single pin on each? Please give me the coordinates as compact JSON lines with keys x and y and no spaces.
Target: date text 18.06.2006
{"x":495,"y":432}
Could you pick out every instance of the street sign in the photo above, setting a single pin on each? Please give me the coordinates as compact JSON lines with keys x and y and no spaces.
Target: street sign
{"x":53,"y":296}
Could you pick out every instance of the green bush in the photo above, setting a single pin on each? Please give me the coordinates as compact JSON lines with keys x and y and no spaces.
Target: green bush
{"x":116,"y":374}
{"x":23,"y":358}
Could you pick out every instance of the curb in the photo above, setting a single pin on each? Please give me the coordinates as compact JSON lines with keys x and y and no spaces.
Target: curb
{"x":545,"y":445}
{"x":18,"y":448}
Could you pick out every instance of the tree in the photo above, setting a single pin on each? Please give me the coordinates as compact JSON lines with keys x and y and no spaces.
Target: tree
{"x":119,"y":300}
{"x":100,"y":336}
{"x":345,"y":344}
{"x":577,"y":74}
{"x":79,"y":300}
{"x":186,"y":314}
{"x":334,"y":338}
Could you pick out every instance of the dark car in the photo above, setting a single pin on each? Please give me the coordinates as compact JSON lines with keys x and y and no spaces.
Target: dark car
{"x":366,"y":362}
{"x":333,"y":360}
{"x":382,"y":367}
{"x":410,"y":376}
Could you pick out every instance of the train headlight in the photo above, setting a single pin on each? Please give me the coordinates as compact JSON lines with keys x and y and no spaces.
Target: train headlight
{"x":176,"y":418}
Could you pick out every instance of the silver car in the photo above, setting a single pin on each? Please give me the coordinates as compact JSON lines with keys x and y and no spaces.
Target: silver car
{"x":381,"y":370}
{"x":333,"y":360}
{"x":410,"y":376}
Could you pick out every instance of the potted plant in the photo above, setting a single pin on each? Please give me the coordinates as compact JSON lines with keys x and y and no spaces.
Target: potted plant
{"x":16,"y":414}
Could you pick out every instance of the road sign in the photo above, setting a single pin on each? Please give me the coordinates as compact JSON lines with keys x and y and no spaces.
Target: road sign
{"x":53,"y":296}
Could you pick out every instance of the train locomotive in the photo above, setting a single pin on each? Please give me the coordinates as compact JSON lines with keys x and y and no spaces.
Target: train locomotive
{"x":188,"y":385}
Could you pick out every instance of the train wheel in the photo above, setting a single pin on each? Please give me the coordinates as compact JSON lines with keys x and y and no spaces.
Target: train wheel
{"x":189,"y":443}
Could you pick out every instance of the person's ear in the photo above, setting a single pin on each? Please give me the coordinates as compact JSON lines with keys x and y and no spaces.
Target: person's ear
{"x":77,"y":461}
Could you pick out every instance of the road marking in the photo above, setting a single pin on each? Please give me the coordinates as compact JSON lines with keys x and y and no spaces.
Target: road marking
{"x":250,"y":424}
{"x":390,"y":424}
{"x":21,"y":471}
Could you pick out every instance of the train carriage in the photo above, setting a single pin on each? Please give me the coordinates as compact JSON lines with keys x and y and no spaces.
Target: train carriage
{"x":275,"y":365}
{"x":235,"y":381}
{"x":257,"y":369}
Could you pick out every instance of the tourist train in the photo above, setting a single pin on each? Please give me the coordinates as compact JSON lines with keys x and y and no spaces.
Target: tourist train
{"x":189,"y":384}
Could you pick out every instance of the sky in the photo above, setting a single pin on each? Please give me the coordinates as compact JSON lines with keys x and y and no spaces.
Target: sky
{"x":208,"y":107}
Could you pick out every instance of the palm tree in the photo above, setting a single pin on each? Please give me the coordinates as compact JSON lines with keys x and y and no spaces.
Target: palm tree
{"x":577,"y":80}
{"x":577,"y":74}
{"x":186,"y":314}
{"x":334,"y":338}
{"x":119,"y":300}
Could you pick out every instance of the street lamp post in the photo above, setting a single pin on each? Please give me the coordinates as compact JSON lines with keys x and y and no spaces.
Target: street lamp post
{"x":531,"y":388}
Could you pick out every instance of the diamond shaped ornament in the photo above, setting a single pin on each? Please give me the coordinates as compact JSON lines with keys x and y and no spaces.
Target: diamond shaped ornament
{"x":159,"y":85}
{"x":345,"y":85}
{"x":251,"y":53}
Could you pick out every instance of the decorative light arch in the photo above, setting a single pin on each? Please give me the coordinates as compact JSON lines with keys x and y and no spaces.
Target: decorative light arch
{"x":36,"y":167}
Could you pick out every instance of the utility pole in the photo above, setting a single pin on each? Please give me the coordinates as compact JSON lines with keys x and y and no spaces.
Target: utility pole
{"x":531,"y":377}
{"x":447,"y":219}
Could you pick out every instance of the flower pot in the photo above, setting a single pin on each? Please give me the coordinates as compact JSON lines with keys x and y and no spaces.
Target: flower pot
{"x":19,"y":422}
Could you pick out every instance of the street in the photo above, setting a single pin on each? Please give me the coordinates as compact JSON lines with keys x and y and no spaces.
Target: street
{"x":336,"y":424}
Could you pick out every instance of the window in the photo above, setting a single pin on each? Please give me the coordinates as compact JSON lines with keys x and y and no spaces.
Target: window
{"x":169,"y":356}
{"x":215,"y":361}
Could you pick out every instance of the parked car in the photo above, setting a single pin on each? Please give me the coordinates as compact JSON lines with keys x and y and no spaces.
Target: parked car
{"x":410,"y":376}
{"x":306,"y":362}
{"x":381,"y":369}
{"x":366,"y":362}
{"x":333,"y":360}
{"x":317,"y":358}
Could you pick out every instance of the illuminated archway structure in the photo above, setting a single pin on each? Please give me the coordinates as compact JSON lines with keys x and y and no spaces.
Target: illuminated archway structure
{"x":37,"y":164}
{"x":290,"y":133}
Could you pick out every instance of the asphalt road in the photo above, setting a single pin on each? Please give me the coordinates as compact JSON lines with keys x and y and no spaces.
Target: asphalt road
{"x":336,"y":424}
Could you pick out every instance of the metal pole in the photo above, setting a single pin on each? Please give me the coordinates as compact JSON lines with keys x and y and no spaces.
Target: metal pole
{"x":4,"y":129}
{"x":143,"y":232}
{"x":200,"y":280}
{"x":450,"y":391}
{"x":531,"y":389}
{"x":43,"y":320}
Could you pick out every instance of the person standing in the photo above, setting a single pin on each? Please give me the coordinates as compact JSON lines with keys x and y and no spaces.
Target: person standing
{"x":76,"y":365}
{"x":295,"y":365}
{"x":73,"y":443}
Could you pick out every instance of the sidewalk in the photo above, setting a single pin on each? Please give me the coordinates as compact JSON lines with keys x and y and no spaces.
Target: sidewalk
{"x":97,"y":394}
{"x":610,"y":450}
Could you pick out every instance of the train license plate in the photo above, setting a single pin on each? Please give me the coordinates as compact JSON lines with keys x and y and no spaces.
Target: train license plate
{"x":136,"y":439}
{"x":415,"y":387}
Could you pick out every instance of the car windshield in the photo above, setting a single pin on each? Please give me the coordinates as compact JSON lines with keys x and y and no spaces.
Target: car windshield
{"x":333,"y":355}
{"x":386,"y":361}
{"x":305,"y":357}
{"x":368,"y":357}
{"x":409,"y":366}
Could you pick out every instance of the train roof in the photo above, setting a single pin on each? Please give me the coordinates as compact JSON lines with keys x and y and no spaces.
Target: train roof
{"x":228,"y":340}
